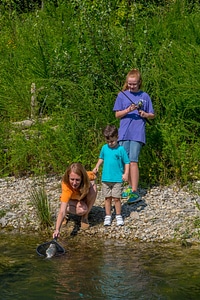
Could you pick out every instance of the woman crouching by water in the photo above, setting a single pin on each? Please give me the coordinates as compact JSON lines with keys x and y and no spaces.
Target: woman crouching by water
{"x":78,"y":195}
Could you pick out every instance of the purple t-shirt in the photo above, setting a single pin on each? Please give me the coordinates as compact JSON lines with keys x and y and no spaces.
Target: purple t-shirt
{"x":132,"y":126}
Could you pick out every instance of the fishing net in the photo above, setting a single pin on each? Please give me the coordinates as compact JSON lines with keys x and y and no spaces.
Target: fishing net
{"x":41,"y":249}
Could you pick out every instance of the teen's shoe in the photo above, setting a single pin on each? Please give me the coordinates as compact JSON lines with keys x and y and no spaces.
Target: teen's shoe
{"x":133,"y":198}
{"x":127,"y":192}
{"x":107,"y":221}
{"x":120,"y":221}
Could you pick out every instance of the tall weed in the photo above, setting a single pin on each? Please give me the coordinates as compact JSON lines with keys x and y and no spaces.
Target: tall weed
{"x":41,"y":203}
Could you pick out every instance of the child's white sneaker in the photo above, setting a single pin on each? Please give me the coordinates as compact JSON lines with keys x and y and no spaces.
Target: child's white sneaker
{"x":120,"y":221}
{"x":107,"y":221}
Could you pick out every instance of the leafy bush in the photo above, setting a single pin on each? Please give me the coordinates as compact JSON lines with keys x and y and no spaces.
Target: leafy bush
{"x":78,"y":53}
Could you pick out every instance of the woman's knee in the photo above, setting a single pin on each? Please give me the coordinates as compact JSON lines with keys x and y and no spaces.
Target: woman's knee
{"x":91,"y":196}
{"x":93,"y":186}
{"x":81,"y":208}
{"x":76,"y":207}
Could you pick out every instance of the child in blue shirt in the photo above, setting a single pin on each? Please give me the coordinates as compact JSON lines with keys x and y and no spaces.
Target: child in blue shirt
{"x":115,"y":170}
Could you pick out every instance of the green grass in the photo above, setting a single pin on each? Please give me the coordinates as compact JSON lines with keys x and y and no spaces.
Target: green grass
{"x":73,"y":53}
{"x":41,"y":204}
{"x":2,"y":213}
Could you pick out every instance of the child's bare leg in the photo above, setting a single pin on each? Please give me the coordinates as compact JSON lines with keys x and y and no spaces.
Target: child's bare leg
{"x":134,"y":176}
{"x":117,"y":206}
{"x":108,"y":202}
{"x":119,"y":218}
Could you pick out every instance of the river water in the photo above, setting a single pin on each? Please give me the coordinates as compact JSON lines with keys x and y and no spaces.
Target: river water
{"x":95,"y":269}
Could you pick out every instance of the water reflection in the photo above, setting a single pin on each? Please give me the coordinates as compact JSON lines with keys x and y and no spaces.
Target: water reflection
{"x":97,"y":269}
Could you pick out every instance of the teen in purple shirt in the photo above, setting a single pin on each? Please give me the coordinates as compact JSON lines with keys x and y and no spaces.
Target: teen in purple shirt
{"x":133,"y":107}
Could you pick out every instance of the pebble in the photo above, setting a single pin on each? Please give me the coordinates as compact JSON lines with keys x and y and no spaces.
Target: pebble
{"x":164,"y":214}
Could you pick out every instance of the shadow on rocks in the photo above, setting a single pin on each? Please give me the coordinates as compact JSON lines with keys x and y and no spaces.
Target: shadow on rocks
{"x":127,"y":209}
{"x":96,"y":216}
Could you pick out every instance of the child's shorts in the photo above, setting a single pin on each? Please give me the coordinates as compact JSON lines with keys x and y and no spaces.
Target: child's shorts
{"x":112,"y":189}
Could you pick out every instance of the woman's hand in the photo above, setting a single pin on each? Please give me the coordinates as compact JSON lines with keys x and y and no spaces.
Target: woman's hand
{"x":56,"y":234}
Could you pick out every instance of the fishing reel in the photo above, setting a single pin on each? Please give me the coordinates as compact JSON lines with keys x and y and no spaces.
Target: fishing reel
{"x":139,"y":105}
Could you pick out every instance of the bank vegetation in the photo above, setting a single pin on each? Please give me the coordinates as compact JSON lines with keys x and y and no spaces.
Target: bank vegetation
{"x":62,"y":65}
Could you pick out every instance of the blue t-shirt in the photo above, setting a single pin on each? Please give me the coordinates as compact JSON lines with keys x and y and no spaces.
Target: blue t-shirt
{"x":114,"y":160}
{"x":132,"y":126}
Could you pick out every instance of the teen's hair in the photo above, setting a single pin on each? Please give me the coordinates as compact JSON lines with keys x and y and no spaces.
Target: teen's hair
{"x":78,"y":169}
{"x":133,"y":73}
{"x":110,"y":131}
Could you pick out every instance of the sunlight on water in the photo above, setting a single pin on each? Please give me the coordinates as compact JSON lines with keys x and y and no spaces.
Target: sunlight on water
{"x":98,"y":270}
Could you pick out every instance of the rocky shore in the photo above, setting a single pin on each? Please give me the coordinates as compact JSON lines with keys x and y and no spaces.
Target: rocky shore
{"x":164,"y":213}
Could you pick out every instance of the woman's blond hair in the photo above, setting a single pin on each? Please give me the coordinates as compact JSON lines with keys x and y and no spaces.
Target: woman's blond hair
{"x":78,"y":169}
{"x":133,"y":73}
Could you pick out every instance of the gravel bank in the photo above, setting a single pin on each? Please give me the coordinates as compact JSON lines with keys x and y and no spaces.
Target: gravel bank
{"x":164,"y":214}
